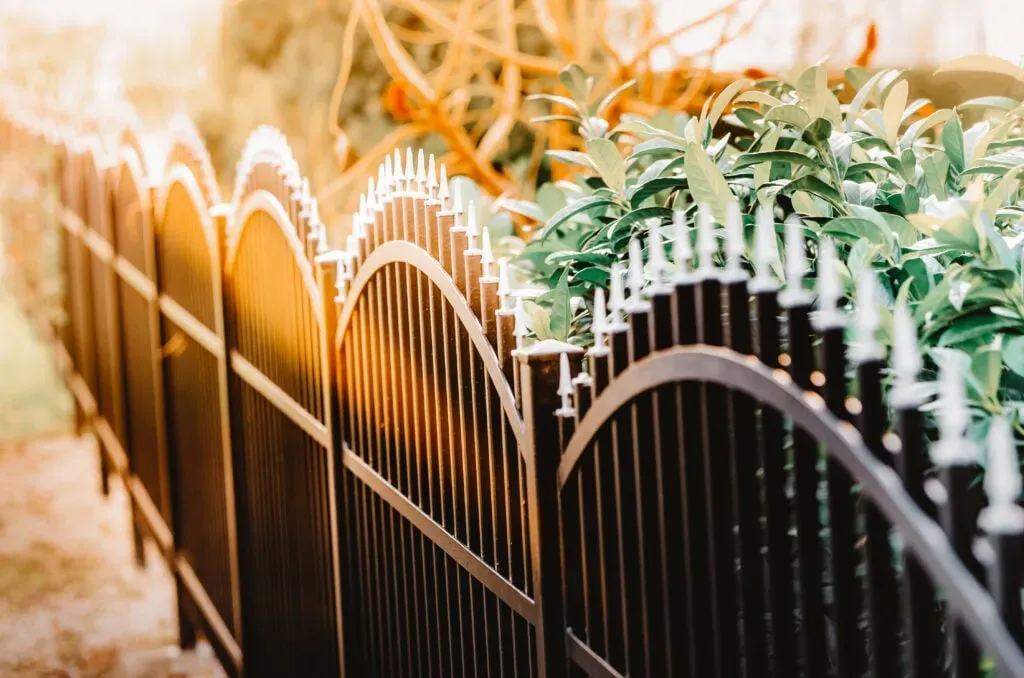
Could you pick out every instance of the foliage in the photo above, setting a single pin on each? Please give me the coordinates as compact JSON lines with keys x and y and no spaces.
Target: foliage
{"x":902,"y":188}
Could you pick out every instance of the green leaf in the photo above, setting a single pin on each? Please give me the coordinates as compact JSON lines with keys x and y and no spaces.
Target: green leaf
{"x":816,"y":186}
{"x":936,"y":169}
{"x":609,"y":163}
{"x":706,"y":183}
{"x":540,"y":320}
{"x":588,"y":203}
{"x":560,"y":100}
{"x":554,"y":118}
{"x":999,"y":103}
{"x":852,"y":229}
{"x":750,"y":118}
{"x":630,"y":218}
{"x":953,"y":143}
{"x":561,"y":310}
{"x":594,"y":275}
{"x":551,"y":199}
{"x":643,"y":191}
{"x":573,"y":158}
{"x":976,"y":325}
{"x":1013,"y":354}
{"x":786,"y":157}
{"x":895,"y":104}
{"x":817,"y":133}
{"x":575,"y":81}
{"x":789,"y":115}
{"x":1006,"y":187}
{"x":530,"y":210}
{"x":725,"y":98}
{"x":919,"y":127}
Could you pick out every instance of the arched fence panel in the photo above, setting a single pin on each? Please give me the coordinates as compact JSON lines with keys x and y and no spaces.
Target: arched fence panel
{"x":720,"y":517}
{"x":440,"y":575}
{"x":188,"y":255}
{"x":138,"y":323}
{"x":284,"y":463}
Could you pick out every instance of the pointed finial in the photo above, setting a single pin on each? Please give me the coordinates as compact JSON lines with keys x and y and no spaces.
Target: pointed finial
{"x":382,"y":180}
{"x":398,"y":176}
{"x":796,"y":264}
{"x":706,"y":245}
{"x":421,"y":172}
{"x":520,"y":331}
{"x":340,"y":280}
{"x":357,"y":225}
{"x":1002,"y":481}
{"x":866,"y":320}
{"x":371,"y":195}
{"x":635,"y":273}
{"x":682,"y":251}
{"x":321,"y":244}
{"x":830,"y":287}
{"x":565,"y":387}
{"x":389,"y":177}
{"x":735,"y":247}
{"x":410,"y":168}
{"x":504,"y":290}
{"x":766,"y":251}
{"x":457,"y":203}
{"x":472,"y":231}
{"x":487,"y":257}
{"x":599,"y":323}
{"x":443,"y":191}
{"x":656,"y":254}
{"x":906,"y":359}
{"x":431,"y":177}
{"x":953,"y":448}
{"x":617,"y":300}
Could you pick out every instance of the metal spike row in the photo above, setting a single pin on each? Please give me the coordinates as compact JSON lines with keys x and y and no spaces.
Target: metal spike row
{"x":682,"y":251}
{"x":735,"y":246}
{"x":656,"y":262}
{"x":706,"y":245}
{"x":766,"y":253}
{"x":565,"y":387}
{"x":952,"y":448}
{"x":520,"y":330}
{"x":472,"y":231}
{"x":830,"y":287}
{"x":599,"y":322}
{"x":635,"y":274}
{"x":906,"y":360}
{"x":487,"y":256}
{"x":1002,"y":481}
{"x":796,"y":265}
{"x":617,"y":300}
{"x":504,"y":289}
{"x":866,"y":320}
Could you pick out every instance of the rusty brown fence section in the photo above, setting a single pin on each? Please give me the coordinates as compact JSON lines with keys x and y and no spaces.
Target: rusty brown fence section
{"x":354,"y":461}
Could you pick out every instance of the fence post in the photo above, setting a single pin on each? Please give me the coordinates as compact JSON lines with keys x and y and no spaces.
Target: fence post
{"x":327,"y":273}
{"x":539,"y":371}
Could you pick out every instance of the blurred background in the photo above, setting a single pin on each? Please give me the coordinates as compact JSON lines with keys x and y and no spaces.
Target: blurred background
{"x":346,"y":79}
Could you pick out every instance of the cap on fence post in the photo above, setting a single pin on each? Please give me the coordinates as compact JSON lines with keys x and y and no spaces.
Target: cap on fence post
{"x":540,"y":370}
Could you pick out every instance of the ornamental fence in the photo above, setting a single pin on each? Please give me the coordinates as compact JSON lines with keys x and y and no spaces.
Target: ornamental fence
{"x":355,"y":462}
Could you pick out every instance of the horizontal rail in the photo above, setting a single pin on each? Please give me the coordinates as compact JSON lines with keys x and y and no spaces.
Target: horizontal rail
{"x":135,"y":278}
{"x":100,"y":247}
{"x":208,"y":610}
{"x":248,"y":373}
{"x":188,"y":323}
{"x":587,"y":659}
{"x":521,"y":603}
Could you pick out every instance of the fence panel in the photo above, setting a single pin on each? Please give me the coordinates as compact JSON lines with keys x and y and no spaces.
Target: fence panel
{"x":440,"y":574}
{"x":283,"y":453}
{"x":188,"y":258}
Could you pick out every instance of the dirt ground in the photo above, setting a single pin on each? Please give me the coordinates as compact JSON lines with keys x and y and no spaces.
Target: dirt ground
{"x":72,"y":601}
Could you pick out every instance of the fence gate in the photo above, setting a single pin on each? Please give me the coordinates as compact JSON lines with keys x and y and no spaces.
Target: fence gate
{"x":188,"y":258}
{"x":439,"y":580}
{"x":280,"y":419}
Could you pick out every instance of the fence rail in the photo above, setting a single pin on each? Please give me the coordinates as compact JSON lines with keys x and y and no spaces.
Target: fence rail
{"x":354,"y":461}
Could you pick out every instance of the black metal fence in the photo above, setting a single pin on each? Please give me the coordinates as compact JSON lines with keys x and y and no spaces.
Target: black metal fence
{"x":354,"y":461}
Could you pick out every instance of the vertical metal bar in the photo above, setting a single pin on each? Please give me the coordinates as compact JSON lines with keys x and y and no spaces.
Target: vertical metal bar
{"x":747,"y":489}
{"x":924,"y":644}
{"x":540,"y":383}
{"x":882,"y":588}
{"x":846,"y":586}
{"x":806,"y":482}
{"x":780,"y":570}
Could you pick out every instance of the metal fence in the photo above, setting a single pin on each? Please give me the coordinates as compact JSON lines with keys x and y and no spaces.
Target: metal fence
{"x":354,"y":462}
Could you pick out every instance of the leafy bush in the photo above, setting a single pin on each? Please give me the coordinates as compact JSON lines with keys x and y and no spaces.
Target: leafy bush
{"x":900,"y":187}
